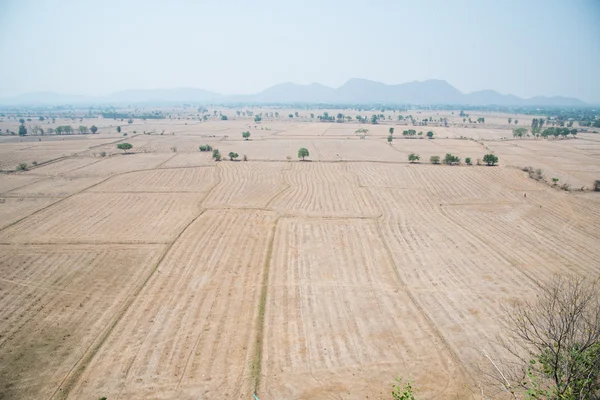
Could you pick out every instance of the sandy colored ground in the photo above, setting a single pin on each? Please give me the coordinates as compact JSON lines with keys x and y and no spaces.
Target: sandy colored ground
{"x":162,"y":274}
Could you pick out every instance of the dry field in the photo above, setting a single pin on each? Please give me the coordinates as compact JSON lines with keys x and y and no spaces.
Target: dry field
{"x":163,"y":274}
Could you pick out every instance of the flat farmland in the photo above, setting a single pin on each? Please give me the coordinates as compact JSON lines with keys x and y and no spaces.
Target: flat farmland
{"x":163,"y":273}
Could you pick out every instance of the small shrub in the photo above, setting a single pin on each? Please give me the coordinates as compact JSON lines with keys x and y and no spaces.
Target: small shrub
{"x":566,"y":187}
{"x":34,"y":163}
{"x":434,"y":159}
{"x":468,"y":161}
{"x":174,"y":149}
{"x":245,"y":158}
{"x":597,"y":186}
{"x":555,"y":181}
{"x":216,"y":155}
{"x":102,"y":154}
{"x":22,"y":167}
{"x":402,"y":391}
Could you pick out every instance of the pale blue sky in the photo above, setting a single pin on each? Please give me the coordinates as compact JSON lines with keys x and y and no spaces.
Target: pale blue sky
{"x":525,"y":47}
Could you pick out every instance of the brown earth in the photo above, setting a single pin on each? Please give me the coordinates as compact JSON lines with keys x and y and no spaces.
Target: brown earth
{"x":163,"y":274}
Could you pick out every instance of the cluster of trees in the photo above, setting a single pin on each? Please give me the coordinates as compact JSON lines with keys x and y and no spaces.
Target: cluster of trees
{"x":205,"y":147}
{"x":449,"y":159}
{"x":546,"y":133}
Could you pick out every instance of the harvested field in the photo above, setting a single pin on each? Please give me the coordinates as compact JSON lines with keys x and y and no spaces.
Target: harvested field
{"x":165,"y":274}
{"x":191,"y":330}
{"x":328,"y":331}
{"x":108,"y":217}
{"x":57,"y":302}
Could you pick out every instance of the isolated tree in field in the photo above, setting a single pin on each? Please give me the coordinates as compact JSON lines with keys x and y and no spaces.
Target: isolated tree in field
{"x":434,"y":159}
{"x":119,"y":129}
{"x":130,"y":121}
{"x":390,"y":138}
{"x":391,"y":130}
{"x":490,"y":159}
{"x":42,"y":118}
{"x":296,"y":114}
{"x":412,"y":157}
{"x":223,"y":117}
{"x":21,"y":120}
{"x":597,"y":185}
{"x":246,"y":135}
{"x":83,"y":129}
{"x":481,"y":120}
{"x":216,"y":154}
{"x":430,"y":134}
{"x":233,"y":155}
{"x":124,"y":146}
{"x":374,"y":119}
{"x":257,"y":118}
{"x":509,"y":120}
{"x":555,"y":181}
{"x":22,"y":130}
{"x":303,"y":153}
{"x":93,"y":129}
{"x":554,"y":342}
{"x":468,"y":161}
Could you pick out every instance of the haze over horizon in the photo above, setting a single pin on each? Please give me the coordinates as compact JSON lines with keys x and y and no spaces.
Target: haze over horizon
{"x":231,"y":47}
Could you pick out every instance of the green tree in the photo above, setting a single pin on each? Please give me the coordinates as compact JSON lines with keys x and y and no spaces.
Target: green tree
{"x":519,"y":132}
{"x":223,"y":117}
{"x":83,"y":129}
{"x":312,"y":115}
{"x":124,"y":146}
{"x":246,"y":135}
{"x":93,"y":129}
{"x":516,"y":121}
{"x":509,"y":120}
{"x":302,"y":152}
{"x":374,"y":119}
{"x":130,"y":121}
{"x":21,"y":120}
{"x":490,"y":159}
{"x":233,"y":155}
{"x":257,"y":118}
{"x":434,"y":159}
{"x":391,"y":130}
{"x":412,"y":157}
{"x":481,"y":120}
{"x":450,"y":159}
{"x":430,"y":134}
{"x":22,"y":130}
{"x":291,"y":115}
{"x":468,"y":161}
{"x":296,"y":114}
{"x":216,"y":154}
{"x":119,"y":129}
{"x":390,"y":138}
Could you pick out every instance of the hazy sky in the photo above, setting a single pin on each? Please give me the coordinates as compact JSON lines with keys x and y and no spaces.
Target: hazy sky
{"x":523,"y":47}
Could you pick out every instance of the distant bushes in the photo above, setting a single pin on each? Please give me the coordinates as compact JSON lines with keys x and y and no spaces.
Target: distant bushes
{"x":205,"y":147}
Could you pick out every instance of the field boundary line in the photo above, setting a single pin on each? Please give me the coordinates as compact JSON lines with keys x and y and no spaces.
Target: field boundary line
{"x":78,"y":368}
{"x":256,"y":365}
{"x":411,"y":296}
{"x":286,"y":184}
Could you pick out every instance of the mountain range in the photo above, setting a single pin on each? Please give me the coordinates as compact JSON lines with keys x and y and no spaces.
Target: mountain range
{"x":355,"y":91}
